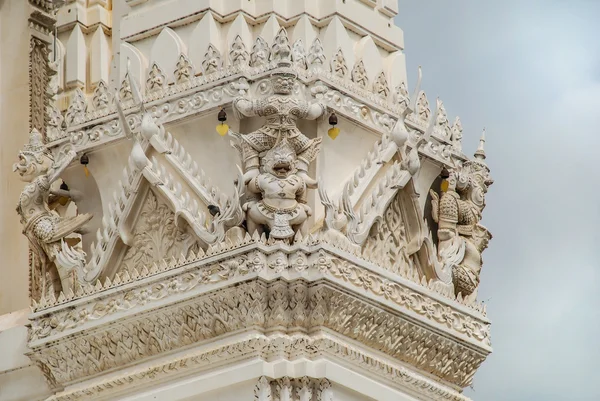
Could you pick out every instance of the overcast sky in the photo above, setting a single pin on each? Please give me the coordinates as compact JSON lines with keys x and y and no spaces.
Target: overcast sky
{"x":529,"y":71}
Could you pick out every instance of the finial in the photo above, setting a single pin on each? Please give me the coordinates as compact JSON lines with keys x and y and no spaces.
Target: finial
{"x":135,"y":90}
{"x":432,"y":121}
{"x":480,"y":152}
{"x":413,"y":100}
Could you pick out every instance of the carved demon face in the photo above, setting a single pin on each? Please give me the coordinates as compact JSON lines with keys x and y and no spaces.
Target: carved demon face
{"x":283,"y":84}
{"x":280,"y":161}
{"x":473,"y":183}
{"x":31,"y":165}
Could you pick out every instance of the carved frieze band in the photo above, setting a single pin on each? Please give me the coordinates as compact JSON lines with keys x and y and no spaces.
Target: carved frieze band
{"x":190,"y":280}
{"x":175,"y":103}
{"x":268,"y":347}
{"x":254,"y":304}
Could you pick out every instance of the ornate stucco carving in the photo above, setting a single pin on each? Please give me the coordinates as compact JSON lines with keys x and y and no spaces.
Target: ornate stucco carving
{"x":50,"y":234}
{"x":359,"y":75}
{"x":288,"y":389}
{"x":253,"y":304}
{"x":184,"y":70}
{"x":157,"y":79}
{"x":102,"y":97}
{"x":157,"y":237}
{"x":380,"y":86}
{"x":461,"y":239}
{"x":456,"y":132}
{"x":264,"y":346}
{"x":260,"y":54}
{"x":338,"y":64}
{"x":212,"y":60}
{"x":299,"y":55}
{"x":190,"y":286}
{"x":76,"y":112}
{"x":38,"y":84}
{"x":279,"y":178}
{"x":238,"y":55}
{"x":316,"y":55}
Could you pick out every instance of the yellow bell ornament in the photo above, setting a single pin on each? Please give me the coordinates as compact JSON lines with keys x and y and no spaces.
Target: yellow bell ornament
{"x":444,"y":184}
{"x":222,"y":128}
{"x":85,"y":160}
{"x":334,"y":131}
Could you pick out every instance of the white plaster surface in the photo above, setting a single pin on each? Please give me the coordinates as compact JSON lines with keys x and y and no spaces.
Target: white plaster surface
{"x":14,"y":127}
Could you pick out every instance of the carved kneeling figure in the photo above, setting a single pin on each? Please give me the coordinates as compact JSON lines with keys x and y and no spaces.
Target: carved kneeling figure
{"x":281,"y":206}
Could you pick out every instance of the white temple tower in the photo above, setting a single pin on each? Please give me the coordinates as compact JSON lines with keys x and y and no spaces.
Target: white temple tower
{"x":322,"y":243}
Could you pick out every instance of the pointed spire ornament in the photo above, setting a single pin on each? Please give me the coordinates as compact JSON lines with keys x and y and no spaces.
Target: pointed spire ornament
{"x":480,"y":152}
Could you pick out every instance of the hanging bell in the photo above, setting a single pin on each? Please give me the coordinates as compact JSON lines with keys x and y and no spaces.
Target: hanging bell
{"x":222,"y":128}
{"x":63,"y":200}
{"x":85,"y":160}
{"x":333,"y":132}
{"x":444,"y":175}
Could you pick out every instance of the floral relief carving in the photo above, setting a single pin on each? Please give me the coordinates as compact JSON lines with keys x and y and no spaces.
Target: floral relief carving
{"x":184,"y":70}
{"x":380,"y":86}
{"x":156,"y":237}
{"x":338,"y":64}
{"x":387,"y":238}
{"x":39,"y":79}
{"x":76,"y":110}
{"x":359,"y":75}
{"x":238,"y":55}
{"x":157,"y":79}
{"x":281,"y":51}
{"x":125,"y":92}
{"x":299,"y":55}
{"x":54,"y":130}
{"x":401,"y":96}
{"x":260,"y":54}
{"x":263,"y":346}
{"x":212,"y":60}
{"x":423,"y":109}
{"x":101,"y":97}
{"x":442,"y":126}
{"x":456,"y":134}
{"x":316,"y":54}
{"x":270,"y":306}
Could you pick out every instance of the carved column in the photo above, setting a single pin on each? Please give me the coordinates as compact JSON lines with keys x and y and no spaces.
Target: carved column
{"x":41,"y":26}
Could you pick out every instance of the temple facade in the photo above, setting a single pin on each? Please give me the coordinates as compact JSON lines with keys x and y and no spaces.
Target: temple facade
{"x":241,"y":199}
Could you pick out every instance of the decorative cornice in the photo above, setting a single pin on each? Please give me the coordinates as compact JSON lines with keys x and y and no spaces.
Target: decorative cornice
{"x":164,"y":302}
{"x":255,"y":251}
{"x":209,"y":92}
{"x":279,"y":305}
{"x":254,"y":346}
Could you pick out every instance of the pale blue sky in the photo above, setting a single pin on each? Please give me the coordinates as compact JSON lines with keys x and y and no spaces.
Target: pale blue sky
{"x":529,"y":71}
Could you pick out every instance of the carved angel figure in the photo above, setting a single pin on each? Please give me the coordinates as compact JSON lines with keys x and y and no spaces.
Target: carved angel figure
{"x":461,"y":239}
{"x":282,"y":206}
{"x":282,"y":112}
{"x":46,"y":230}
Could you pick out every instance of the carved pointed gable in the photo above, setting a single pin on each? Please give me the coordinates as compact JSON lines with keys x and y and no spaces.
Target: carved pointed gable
{"x":156,"y":236}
